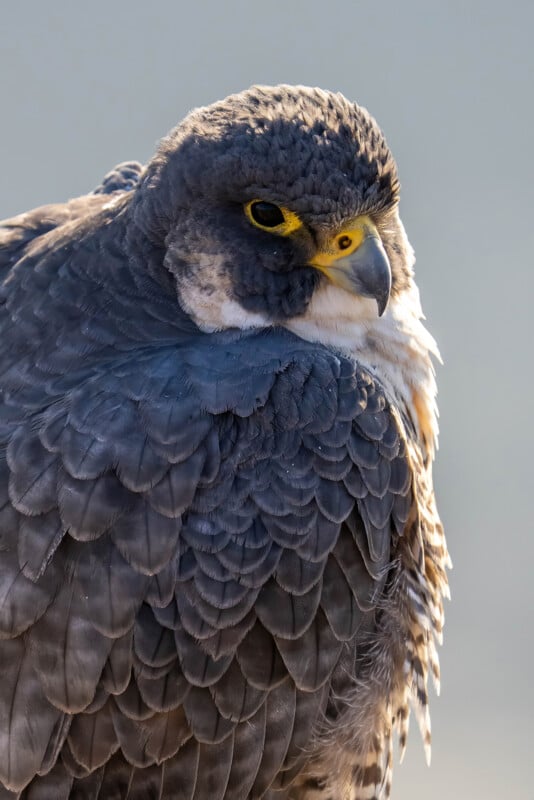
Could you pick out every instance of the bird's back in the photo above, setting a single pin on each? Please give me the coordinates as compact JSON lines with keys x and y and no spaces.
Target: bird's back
{"x":17,"y":233}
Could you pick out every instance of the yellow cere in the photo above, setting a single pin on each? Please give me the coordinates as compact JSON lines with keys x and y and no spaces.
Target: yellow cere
{"x":289,"y":223}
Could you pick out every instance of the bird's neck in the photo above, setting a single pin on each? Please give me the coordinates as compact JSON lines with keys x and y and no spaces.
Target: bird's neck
{"x":396,"y":347}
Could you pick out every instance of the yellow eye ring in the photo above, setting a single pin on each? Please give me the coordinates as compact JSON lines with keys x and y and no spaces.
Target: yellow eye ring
{"x":272,"y":218}
{"x":348,"y":241}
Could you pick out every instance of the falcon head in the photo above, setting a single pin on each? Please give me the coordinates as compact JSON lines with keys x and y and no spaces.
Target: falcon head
{"x":279,"y":206}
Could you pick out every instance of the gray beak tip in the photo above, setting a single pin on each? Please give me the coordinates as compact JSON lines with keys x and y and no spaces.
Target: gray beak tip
{"x":382,"y":304}
{"x":372,"y":272}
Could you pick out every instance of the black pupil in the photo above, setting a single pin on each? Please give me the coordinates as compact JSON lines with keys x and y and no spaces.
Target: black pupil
{"x":266,"y":214}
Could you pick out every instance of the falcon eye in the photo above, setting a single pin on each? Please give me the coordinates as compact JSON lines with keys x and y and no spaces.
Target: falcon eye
{"x":267,"y":214}
{"x":272,"y":218}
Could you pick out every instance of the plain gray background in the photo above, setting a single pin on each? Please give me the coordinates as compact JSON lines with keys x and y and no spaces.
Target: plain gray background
{"x":86,"y":85}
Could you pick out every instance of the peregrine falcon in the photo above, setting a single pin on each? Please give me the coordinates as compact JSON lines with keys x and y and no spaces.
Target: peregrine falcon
{"x":221,"y":566}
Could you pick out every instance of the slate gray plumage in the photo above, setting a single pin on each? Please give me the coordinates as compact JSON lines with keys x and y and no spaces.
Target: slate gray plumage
{"x":199,"y":529}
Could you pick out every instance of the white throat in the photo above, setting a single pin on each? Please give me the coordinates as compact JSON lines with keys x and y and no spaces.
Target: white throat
{"x":396,"y":347}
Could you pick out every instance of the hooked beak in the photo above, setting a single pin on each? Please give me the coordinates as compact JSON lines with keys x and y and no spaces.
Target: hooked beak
{"x":356,"y":261}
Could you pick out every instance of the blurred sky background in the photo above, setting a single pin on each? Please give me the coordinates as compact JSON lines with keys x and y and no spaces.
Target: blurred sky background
{"x":86,"y":85}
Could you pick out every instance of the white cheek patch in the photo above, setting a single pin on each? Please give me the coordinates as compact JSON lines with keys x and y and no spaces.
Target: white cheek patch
{"x":205,"y":294}
{"x":215,"y":311}
{"x":235,"y":316}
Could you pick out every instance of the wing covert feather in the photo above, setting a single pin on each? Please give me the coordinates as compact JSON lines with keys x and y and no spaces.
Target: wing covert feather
{"x":194,"y":534}
{"x":24,"y":738}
